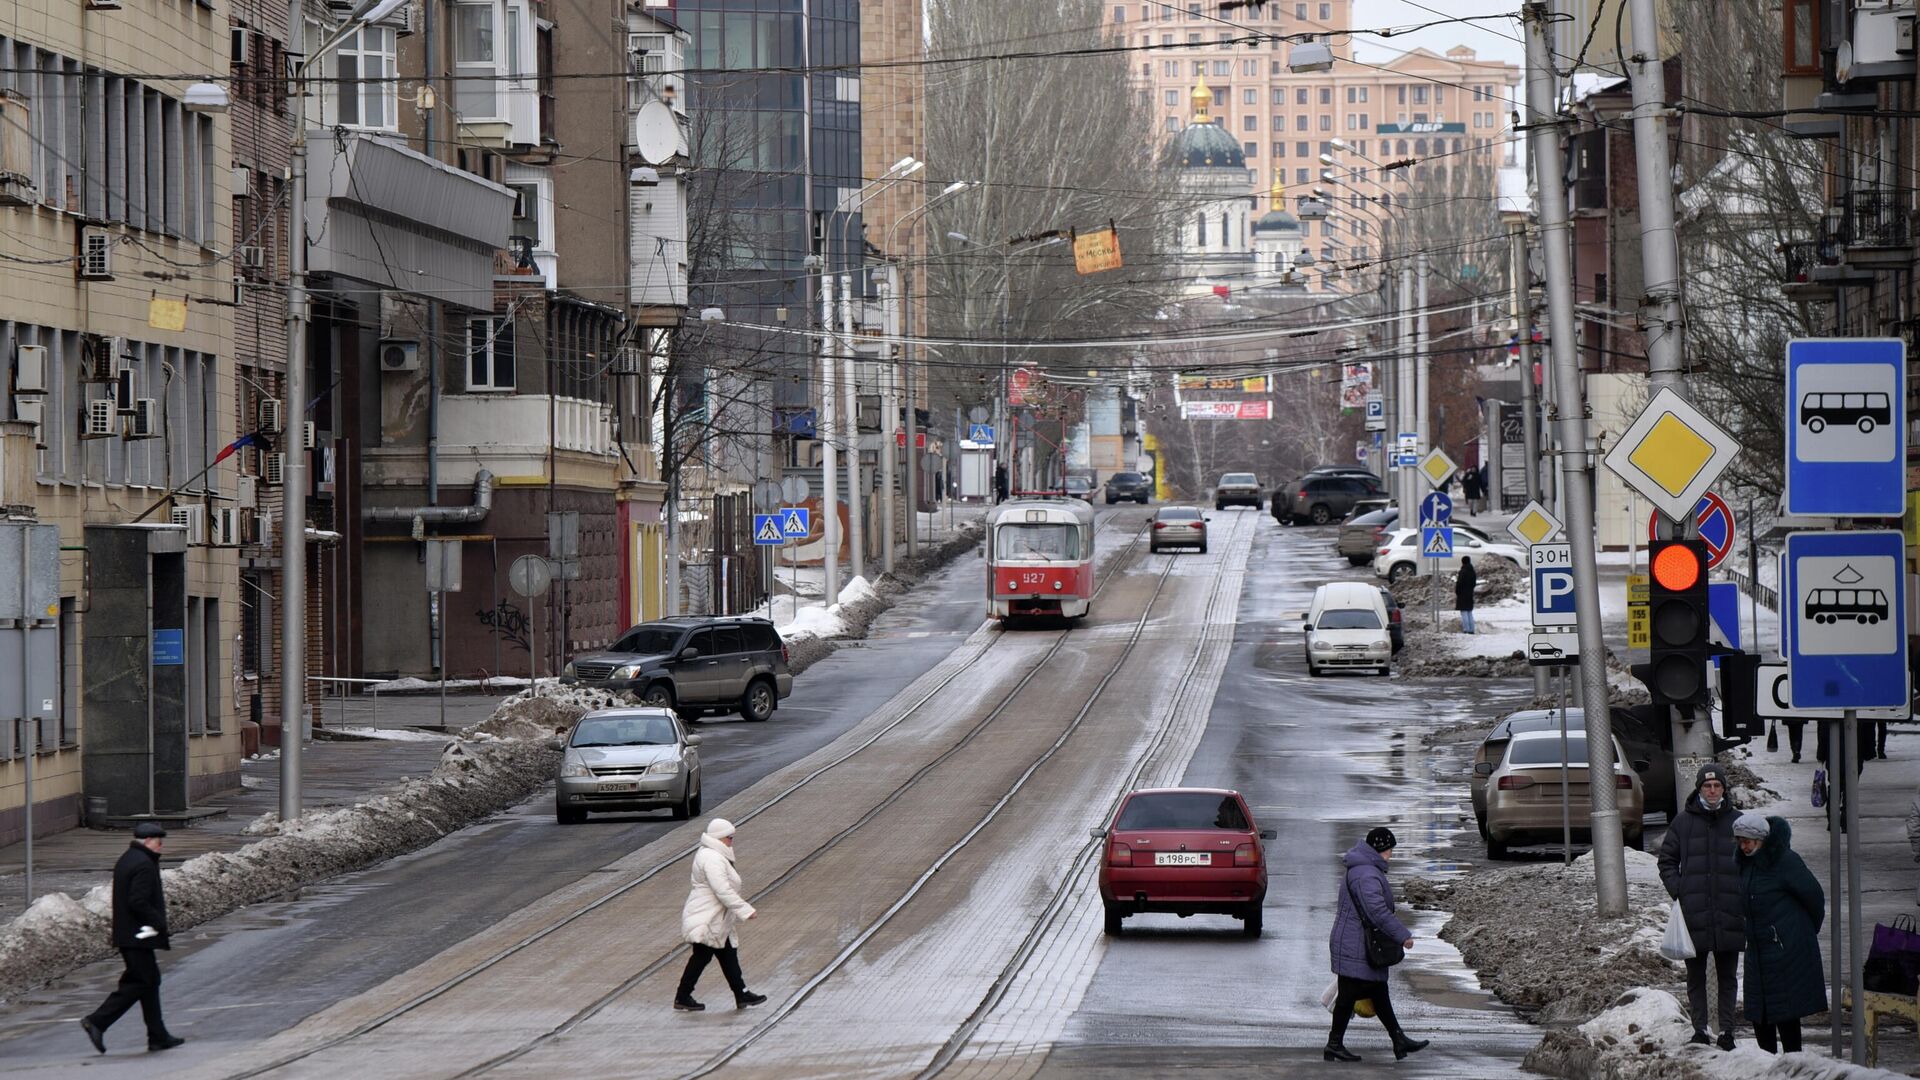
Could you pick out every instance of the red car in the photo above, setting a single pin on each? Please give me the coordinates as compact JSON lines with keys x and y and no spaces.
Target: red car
{"x":1184,"y":851}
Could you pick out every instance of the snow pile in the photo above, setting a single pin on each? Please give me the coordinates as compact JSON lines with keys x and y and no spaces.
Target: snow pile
{"x":472,"y":781}
{"x":389,"y":734}
{"x":549,"y":711}
{"x":1559,"y":962}
{"x":411,"y":685}
{"x":1645,"y":1036}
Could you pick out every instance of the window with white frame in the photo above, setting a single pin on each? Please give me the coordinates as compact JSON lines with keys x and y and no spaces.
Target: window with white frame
{"x":490,"y":353}
{"x":475,"y":93}
{"x":366,"y":94}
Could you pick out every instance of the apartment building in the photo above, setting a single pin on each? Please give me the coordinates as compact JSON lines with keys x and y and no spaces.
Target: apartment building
{"x":116,"y":336}
{"x":1441,"y":112}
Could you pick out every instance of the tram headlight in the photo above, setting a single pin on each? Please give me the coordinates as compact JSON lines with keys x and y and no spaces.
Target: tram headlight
{"x":1058,"y":585}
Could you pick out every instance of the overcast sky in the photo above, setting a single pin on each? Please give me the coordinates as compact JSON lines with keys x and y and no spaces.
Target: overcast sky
{"x":1492,"y":39}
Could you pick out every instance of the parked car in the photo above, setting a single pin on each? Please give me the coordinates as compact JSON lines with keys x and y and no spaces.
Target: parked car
{"x":695,"y":665}
{"x":1080,"y":487}
{"x":628,"y":759}
{"x":1237,"y":489}
{"x":1340,"y":470}
{"x":1636,"y":734}
{"x":1360,"y":534}
{"x":1177,"y":526}
{"x":1323,"y":498}
{"x":1368,"y":505}
{"x":1523,"y":793}
{"x":1129,"y":485}
{"x":1396,"y":629}
{"x":1184,"y":851}
{"x":1347,"y":629}
{"x":1399,"y":556}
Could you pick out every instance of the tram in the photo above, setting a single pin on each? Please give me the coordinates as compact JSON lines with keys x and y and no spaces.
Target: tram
{"x":1039,"y":558}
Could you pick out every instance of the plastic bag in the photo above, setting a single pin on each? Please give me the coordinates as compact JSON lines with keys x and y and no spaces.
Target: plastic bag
{"x":1363,"y":1008}
{"x":1819,"y":794}
{"x":1332,"y":991}
{"x":1677,"y":942}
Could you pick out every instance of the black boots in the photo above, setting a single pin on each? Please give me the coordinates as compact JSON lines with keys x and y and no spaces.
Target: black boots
{"x":1337,"y":1052}
{"x":684,"y":1003}
{"x":164,"y":1042}
{"x":94,"y":1034}
{"x":1404,"y":1045}
{"x":747,"y":999}
{"x":1726,"y":1040}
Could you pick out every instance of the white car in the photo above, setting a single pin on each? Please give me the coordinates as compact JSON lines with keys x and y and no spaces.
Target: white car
{"x":1347,"y":629}
{"x":1398,"y":556}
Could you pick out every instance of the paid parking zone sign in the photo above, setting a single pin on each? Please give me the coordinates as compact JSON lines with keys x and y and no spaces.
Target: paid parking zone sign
{"x":1551,"y":568}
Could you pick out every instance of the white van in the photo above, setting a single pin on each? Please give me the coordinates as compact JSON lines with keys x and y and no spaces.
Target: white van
{"x":1347,"y":628}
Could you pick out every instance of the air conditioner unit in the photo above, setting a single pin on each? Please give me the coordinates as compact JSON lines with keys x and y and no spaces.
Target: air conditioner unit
{"x":273,"y":469}
{"x":145,"y":423}
{"x":33,"y":411}
{"x":30,"y":369}
{"x":251,"y":256}
{"x":242,"y":182}
{"x":396,"y":355}
{"x":240,"y":52}
{"x":239,"y":291}
{"x":126,"y":390}
{"x":308,"y":436}
{"x":99,"y":357}
{"x":246,"y":492}
{"x":103,"y":5}
{"x":96,"y":254}
{"x":97,"y":421}
{"x":226,"y":526}
{"x":16,"y":151}
{"x":270,"y":415}
{"x":195,"y":519}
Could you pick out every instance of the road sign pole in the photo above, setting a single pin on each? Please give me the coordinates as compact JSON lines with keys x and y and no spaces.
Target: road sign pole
{"x":1836,"y":931}
{"x":1856,"y":971}
{"x":1566,"y":801}
{"x":1403,"y":400}
{"x":1549,"y":164}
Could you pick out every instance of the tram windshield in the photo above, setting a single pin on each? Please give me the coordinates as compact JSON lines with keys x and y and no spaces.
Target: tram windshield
{"x":1052,"y":542}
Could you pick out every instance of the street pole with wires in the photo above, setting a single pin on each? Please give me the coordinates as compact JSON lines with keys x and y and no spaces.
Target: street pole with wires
{"x":1576,"y":464}
{"x":1422,"y":357}
{"x":1530,"y":416}
{"x":1403,"y":382}
{"x":829,"y":430}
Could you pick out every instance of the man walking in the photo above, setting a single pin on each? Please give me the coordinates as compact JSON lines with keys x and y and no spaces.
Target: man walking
{"x":1463,"y":585}
{"x":139,"y":927}
{"x":1698,"y":867}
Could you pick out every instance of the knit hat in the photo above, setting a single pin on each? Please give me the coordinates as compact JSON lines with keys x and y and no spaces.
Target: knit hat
{"x":1711,"y":771}
{"x":1752,"y":826}
{"x":1381,"y":839}
{"x":720,"y":828}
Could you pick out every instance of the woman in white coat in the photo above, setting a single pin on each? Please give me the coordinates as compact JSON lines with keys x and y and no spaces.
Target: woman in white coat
{"x":714,"y":908}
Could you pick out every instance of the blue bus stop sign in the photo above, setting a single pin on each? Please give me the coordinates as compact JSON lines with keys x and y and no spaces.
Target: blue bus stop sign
{"x":1846,"y":427}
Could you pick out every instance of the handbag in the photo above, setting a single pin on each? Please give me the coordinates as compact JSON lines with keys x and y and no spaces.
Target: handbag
{"x":1893,"y":963}
{"x":1382,"y":951}
{"x":1819,"y":794}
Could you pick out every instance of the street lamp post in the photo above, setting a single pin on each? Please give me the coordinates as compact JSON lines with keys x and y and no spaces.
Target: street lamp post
{"x":903,"y":318}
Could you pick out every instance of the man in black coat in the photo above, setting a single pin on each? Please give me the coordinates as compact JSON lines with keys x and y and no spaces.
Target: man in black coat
{"x":139,"y":927}
{"x":1698,"y":867}
{"x":1463,"y":586}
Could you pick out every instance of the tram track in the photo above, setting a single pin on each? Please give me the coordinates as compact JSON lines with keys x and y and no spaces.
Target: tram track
{"x":1112,"y":568}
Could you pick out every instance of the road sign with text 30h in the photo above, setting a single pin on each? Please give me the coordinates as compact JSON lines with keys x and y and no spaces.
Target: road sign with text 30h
{"x":1846,"y":427}
{"x":1846,"y":613}
{"x":1551,"y":567}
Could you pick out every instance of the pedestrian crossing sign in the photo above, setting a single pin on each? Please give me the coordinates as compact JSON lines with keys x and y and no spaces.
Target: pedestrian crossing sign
{"x":1436,"y":542}
{"x":796,"y":522}
{"x":766,"y":530}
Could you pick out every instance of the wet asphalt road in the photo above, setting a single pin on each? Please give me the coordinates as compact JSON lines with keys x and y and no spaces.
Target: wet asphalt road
{"x":258,"y":971}
{"x":1322,"y":760}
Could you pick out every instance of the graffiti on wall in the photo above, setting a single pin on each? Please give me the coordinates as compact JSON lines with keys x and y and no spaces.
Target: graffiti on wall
{"x":506,"y":622}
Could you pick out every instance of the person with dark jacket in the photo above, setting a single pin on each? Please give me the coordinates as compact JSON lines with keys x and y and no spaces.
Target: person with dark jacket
{"x":1784,"y":907}
{"x":1366,"y":899}
{"x":1463,"y":586}
{"x":1697,"y":866}
{"x":139,"y":927}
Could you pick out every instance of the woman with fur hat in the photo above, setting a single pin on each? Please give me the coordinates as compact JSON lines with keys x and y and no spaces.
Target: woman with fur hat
{"x":1784,"y":907}
{"x":1366,"y":904}
{"x":714,"y":908}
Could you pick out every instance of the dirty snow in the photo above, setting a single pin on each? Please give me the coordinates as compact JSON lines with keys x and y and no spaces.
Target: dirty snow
{"x":410,"y":684}
{"x":391,"y":734}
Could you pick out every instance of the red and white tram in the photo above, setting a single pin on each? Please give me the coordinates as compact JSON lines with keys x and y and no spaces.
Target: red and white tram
{"x":1040,"y":557}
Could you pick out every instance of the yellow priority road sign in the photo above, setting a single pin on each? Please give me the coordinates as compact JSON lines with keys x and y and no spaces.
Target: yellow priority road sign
{"x":1437,"y":467}
{"x":1534,"y":524}
{"x":1671,"y":453}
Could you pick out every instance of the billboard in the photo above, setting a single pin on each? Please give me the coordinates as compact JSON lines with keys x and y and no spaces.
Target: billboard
{"x":1226,"y":410}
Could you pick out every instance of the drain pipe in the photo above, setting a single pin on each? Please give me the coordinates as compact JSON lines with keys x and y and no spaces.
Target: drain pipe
{"x":436,"y":644}
{"x":419,"y":517}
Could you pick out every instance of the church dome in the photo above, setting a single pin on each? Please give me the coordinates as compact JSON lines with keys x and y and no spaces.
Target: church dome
{"x":1277,"y":219}
{"x":1206,"y":145}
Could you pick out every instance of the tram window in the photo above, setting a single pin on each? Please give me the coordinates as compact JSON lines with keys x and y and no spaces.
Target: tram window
{"x":1054,"y":542}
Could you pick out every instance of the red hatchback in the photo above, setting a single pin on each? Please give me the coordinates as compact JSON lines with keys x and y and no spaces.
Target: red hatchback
{"x":1184,"y":851}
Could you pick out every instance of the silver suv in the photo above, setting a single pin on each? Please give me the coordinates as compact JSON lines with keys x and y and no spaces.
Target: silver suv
{"x":695,"y":665}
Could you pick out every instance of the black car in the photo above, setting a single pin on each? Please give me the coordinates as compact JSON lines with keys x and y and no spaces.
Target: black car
{"x":1129,"y":485}
{"x":1323,"y":498}
{"x":1080,"y":487}
{"x":695,"y":665}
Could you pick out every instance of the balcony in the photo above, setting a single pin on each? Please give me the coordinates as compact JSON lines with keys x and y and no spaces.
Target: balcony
{"x":1876,"y":226}
{"x":509,"y":433}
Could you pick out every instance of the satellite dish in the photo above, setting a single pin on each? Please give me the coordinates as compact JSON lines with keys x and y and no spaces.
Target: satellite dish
{"x":656,"y":134}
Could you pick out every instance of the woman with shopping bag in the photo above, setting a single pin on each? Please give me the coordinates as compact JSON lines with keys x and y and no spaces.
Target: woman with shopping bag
{"x":1367,"y":940}
{"x":1784,"y":905}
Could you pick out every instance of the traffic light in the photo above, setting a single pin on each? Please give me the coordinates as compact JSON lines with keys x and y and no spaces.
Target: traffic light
{"x":1676,"y":669}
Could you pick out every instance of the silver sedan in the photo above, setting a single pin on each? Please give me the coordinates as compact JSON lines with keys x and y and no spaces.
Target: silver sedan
{"x":628,"y":759}
{"x":1178,"y":526}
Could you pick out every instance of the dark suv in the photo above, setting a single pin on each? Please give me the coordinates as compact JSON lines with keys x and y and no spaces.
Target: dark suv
{"x":695,"y":665}
{"x":1323,"y":498}
{"x":1129,"y":485}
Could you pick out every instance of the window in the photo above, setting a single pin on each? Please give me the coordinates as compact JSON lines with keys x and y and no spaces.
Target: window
{"x":1183,"y":810}
{"x":1173,"y":98}
{"x":366,"y":95}
{"x":476,"y":95}
{"x":1326,"y":122}
{"x":1419,"y":118}
{"x":1402,"y":94}
{"x":1051,"y":542}
{"x":1199,"y":68}
{"x":1299,"y":176}
{"x":1249,"y":122}
{"x":1249,"y":96}
{"x":1300,"y":150}
{"x":1801,"y":37}
{"x":727,"y":641}
{"x":1300,"y":12}
{"x":1420,"y":95}
{"x":1279,"y":149}
{"x":1119,"y":14}
{"x":1279,"y":122}
{"x":1222,"y":69}
{"x":1193,"y":11}
{"x":1326,"y":12}
{"x":490,"y":353}
{"x":1326,"y":95}
{"x":1252,"y":149}
{"x":1277,"y":96}
{"x":1174,"y":66}
{"x":1173,"y":123}
{"x":1193,"y":39}
{"x":1169,"y":67}
{"x":1300,"y":122}
{"x":1250,"y":68}
{"x":1300,"y":96}
{"x":1439,"y":95}
{"x":1226,"y":40}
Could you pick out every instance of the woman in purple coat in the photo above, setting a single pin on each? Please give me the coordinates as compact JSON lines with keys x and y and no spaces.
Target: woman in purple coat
{"x":1366,"y":881}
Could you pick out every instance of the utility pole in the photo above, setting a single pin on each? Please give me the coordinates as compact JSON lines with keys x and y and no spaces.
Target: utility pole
{"x":1660,"y":312}
{"x":1576,"y":465}
{"x":905,"y":319}
{"x":1422,"y":386}
{"x":1384,"y":372}
{"x":293,"y":473}
{"x":829,"y":435}
{"x":1403,"y":407}
{"x":1529,"y":408}
{"x":889,"y":416}
{"x":850,"y":413}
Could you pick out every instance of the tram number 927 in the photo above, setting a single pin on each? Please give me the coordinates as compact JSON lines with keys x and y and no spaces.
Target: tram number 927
{"x":1039,"y":559}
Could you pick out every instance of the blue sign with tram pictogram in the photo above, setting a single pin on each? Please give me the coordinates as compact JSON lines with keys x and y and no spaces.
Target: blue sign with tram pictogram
{"x":1843,"y":613}
{"x":1714,"y":518}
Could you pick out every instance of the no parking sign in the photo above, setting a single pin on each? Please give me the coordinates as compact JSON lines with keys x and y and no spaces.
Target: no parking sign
{"x":1715,"y":520}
